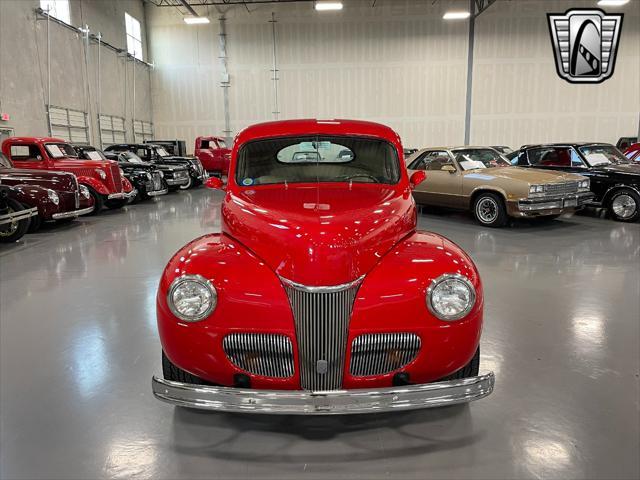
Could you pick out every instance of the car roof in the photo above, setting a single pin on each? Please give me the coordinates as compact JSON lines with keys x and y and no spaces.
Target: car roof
{"x":36,"y":140}
{"x":567,"y":144}
{"x":284,"y":128}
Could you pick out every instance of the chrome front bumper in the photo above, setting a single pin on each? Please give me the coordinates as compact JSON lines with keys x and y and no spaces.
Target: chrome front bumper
{"x":122,"y":195}
{"x":72,"y":213}
{"x":155,"y":193}
{"x":334,"y":402}
{"x":177,"y":181}
{"x":18,"y":216}
{"x":552,"y":203}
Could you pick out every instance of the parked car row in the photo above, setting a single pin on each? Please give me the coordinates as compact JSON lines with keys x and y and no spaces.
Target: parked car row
{"x":48,"y":179}
{"x":543,"y":181}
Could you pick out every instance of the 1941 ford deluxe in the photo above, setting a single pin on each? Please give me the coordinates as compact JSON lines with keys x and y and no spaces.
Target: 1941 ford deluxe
{"x":319,"y":296}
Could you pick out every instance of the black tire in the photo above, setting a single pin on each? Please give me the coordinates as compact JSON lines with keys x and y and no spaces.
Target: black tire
{"x":35,"y":223}
{"x":624,"y":205}
{"x":116,"y":204}
{"x":489,"y":210}
{"x":176,"y":374}
{"x":10,"y":233}
{"x":98,"y":200}
{"x":471,"y":369}
{"x":187,"y":185}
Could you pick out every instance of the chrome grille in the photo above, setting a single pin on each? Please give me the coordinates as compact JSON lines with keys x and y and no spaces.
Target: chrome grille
{"x":380,"y":353}
{"x":321,"y":316}
{"x":265,"y":354}
{"x":560,"y":188}
{"x":157,"y":181}
{"x":116,"y":178}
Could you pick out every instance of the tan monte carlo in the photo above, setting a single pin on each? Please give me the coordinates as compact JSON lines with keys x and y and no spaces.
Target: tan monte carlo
{"x":481,"y":180}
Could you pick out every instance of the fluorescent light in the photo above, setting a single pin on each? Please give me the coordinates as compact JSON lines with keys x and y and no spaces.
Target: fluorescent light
{"x":456,"y":15}
{"x":324,"y":6}
{"x":195,"y":20}
{"x":612,"y":3}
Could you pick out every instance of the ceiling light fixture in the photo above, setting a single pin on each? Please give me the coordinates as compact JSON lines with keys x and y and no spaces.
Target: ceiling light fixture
{"x":456,"y":15}
{"x":326,"y":6}
{"x":195,"y":20}
{"x":612,"y":3}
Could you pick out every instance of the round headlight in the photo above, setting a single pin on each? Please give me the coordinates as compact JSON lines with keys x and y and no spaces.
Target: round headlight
{"x":101,"y":174}
{"x":192,"y":298}
{"x":450,"y":297}
{"x":84,"y":191}
{"x":53,"y":196}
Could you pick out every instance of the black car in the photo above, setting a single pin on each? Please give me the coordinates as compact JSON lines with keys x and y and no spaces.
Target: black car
{"x":409,"y":151}
{"x":615,"y":180}
{"x":153,"y":153}
{"x":174,"y":176}
{"x":503,"y":149}
{"x":174,"y":147}
{"x":145,"y":178}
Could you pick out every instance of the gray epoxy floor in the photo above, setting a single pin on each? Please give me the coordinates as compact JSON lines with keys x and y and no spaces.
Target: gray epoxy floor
{"x":79,"y":346}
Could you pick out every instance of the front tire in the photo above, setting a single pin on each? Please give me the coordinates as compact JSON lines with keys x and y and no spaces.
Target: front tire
{"x":35,"y":223}
{"x":187,"y":185}
{"x":624,"y":205}
{"x":489,"y":210}
{"x":12,"y":232}
{"x":98,"y":200}
{"x":471,"y":369}
{"x":116,"y":204}
{"x":176,"y":374}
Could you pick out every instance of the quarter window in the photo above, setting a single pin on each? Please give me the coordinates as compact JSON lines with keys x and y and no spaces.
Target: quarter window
{"x":134,"y":36}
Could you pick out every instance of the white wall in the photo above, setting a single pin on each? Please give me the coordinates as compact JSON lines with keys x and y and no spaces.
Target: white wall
{"x":398,"y":63}
{"x":23,"y":65}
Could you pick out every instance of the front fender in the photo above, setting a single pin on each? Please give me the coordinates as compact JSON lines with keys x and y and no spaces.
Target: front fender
{"x":97,"y":185}
{"x":392,"y":298}
{"x":250,"y":299}
{"x":34,"y":196}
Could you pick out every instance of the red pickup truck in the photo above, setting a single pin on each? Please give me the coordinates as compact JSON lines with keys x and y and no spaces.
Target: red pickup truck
{"x":102,"y":178}
{"x":213,"y":154}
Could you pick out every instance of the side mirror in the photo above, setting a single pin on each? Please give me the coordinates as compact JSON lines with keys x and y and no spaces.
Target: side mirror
{"x":449,"y":168}
{"x":417,"y":178}
{"x":214,"y":182}
{"x":39,"y":158}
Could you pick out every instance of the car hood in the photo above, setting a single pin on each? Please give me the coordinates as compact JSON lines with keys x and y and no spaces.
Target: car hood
{"x":530,"y":175}
{"x":58,"y":181}
{"x":319,"y":235}
{"x":62,"y":163}
{"x":623,"y":168}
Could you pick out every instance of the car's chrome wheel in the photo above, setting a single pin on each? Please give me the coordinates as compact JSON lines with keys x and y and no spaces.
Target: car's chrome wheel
{"x":487,"y":210}
{"x":11,"y":228}
{"x":624,"y":206}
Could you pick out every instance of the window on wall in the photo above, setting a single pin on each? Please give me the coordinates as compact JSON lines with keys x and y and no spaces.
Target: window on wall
{"x":142,"y":131}
{"x":134,"y":36}
{"x":111,"y":130}
{"x":70,"y":125}
{"x":57,"y":8}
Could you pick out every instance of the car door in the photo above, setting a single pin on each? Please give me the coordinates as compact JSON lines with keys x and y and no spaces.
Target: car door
{"x":27,"y":155}
{"x":443,"y":185}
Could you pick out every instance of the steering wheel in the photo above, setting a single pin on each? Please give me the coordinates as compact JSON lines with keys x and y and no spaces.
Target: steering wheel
{"x":364,"y":175}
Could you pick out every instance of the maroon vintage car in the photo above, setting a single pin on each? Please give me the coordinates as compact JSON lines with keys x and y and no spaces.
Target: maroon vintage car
{"x":64,"y":198}
{"x":102,"y":178}
{"x":213,"y":154}
{"x":320,"y":296}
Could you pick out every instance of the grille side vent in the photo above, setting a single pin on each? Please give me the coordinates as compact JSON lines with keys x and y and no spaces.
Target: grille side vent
{"x":268,"y":355}
{"x":380,"y":353}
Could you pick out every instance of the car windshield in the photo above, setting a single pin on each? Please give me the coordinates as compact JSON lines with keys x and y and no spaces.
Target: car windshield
{"x":60,"y":150}
{"x":474,"y":158}
{"x":221,"y":143}
{"x":4,"y":161}
{"x":554,"y":156}
{"x":162,"y":152}
{"x":602,"y":155}
{"x":317,"y":159}
{"x":94,"y":155}
{"x":131,"y":157}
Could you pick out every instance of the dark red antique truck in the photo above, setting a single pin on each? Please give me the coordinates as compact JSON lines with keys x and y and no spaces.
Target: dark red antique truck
{"x":213,"y":154}
{"x":102,"y":178}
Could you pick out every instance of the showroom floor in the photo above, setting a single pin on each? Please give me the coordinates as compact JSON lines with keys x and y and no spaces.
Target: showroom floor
{"x":79,"y":346}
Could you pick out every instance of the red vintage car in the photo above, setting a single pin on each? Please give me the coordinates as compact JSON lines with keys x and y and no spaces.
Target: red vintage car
{"x":633,"y":152}
{"x":319,"y":296}
{"x":213,"y":154}
{"x":102,"y":178}
{"x":63,"y":197}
